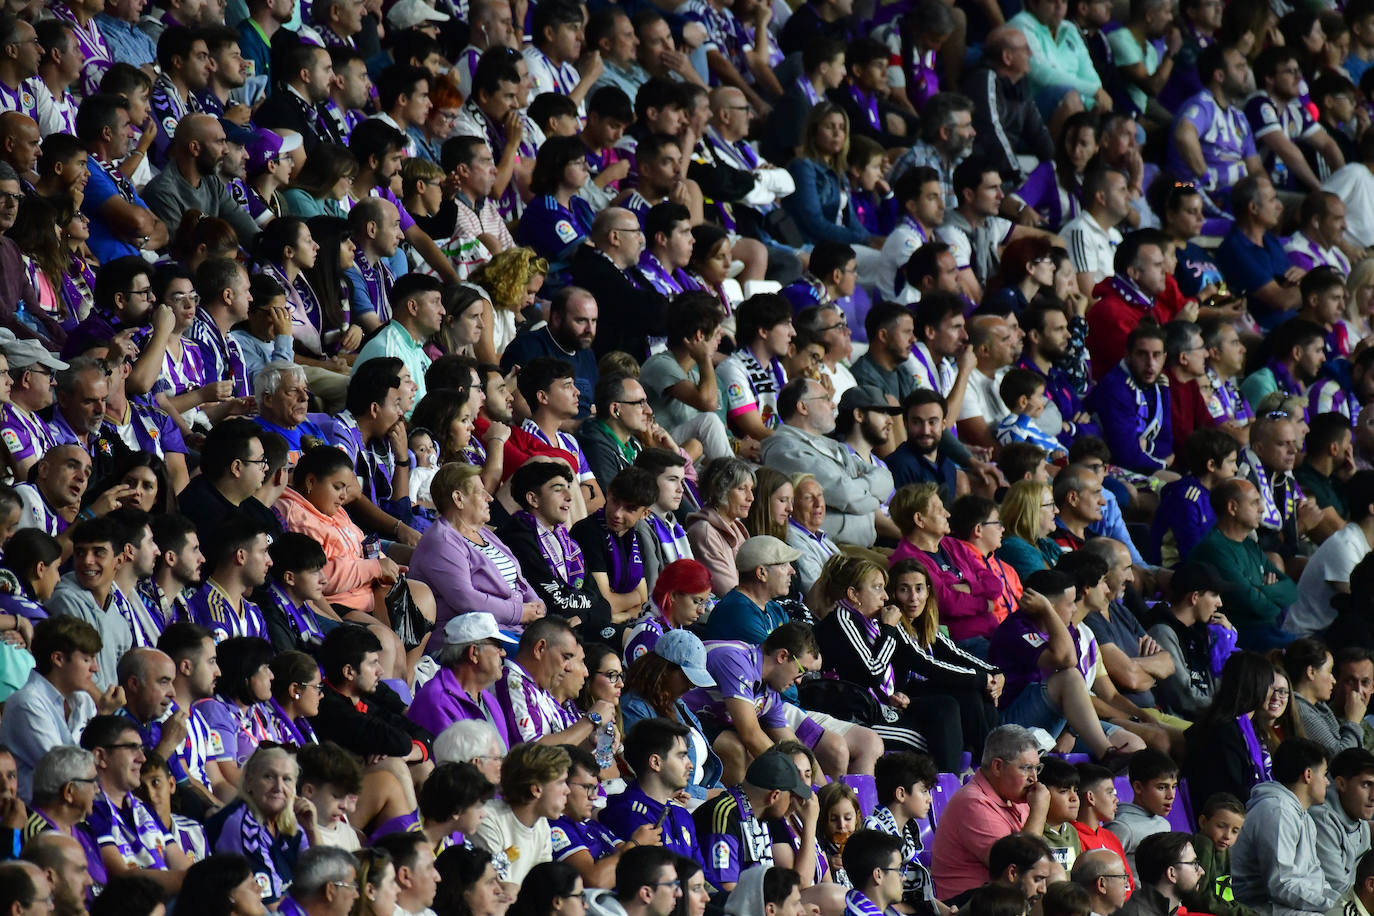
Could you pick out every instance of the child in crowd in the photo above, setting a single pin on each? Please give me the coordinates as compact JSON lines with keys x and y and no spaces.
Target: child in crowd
{"x":873,"y":201}
{"x":1023,"y":391}
{"x":1154,"y":781}
{"x":1096,"y":809}
{"x":421,"y":443}
{"x":554,"y":114}
{"x":904,"y":781}
{"x":1219,"y":825}
{"x":838,"y":819}
{"x":295,"y":588}
{"x":1060,"y":777}
{"x":157,"y":788}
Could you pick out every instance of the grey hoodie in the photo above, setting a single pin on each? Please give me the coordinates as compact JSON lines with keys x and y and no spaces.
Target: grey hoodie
{"x":1133,"y":824}
{"x":603,"y":903}
{"x":1275,"y":867}
{"x":747,"y":897}
{"x":1341,"y":839}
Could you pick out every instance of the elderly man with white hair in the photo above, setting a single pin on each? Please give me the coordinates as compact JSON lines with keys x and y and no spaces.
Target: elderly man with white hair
{"x":474,"y":741}
{"x":283,"y":405}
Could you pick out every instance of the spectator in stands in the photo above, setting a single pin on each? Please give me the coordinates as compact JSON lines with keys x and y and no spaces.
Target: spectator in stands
{"x":717,"y":531}
{"x":1002,"y":797}
{"x":1252,"y":258}
{"x":1211,"y":143}
{"x":764,"y":565}
{"x":1134,"y":408}
{"x":891,"y":332}
{"x":1185,"y":510}
{"x":534,"y":789}
{"x":1275,"y":861}
{"x":1284,"y":140}
{"x":1093,"y":235}
{"x":469,"y":665}
{"x":1183,"y":632}
{"x":1342,"y":820}
{"x":1078,"y":503}
{"x":1321,"y":240}
{"x":1101,"y":873}
{"x":611,"y":547}
{"x":733,"y":821}
{"x":821,"y":208}
{"x":189,"y":180}
{"x":1308,"y":664}
{"x":1168,"y":868}
{"x":657,"y":751}
{"x":622,"y":427}
{"x":121,"y":223}
{"x":855,"y":489}
{"x":1328,"y":570}
{"x":1154,"y":788}
{"x":1007,"y":121}
{"x":876,"y":865}
{"x":325,"y":882}
{"x":681,"y":383}
{"x":547,"y":655}
{"x":65,"y":652}
{"x":1228,"y":732}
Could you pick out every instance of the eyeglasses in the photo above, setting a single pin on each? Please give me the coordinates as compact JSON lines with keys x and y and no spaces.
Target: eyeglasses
{"x":348,"y":885}
{"x":589,"y":787}
{"x":125,"y":746}
{"x":1048,"y":505}
{"x":842,"y":323}
{"x":673,"y":884}
{"x":1118,"y":877}
{"x":642,"y":402}
{"x":900,"y":869}
{"x":615,"y":677}
{"x":801,"y":669}
{"x":90,"y":779}
{"x":316,"y":687}
{"x":148,"y":293}
{"x":1193,"y":864}
{"x":1029,"y":769}
{"x":628,"y":229}
{"x":8,"y":198}
{"x":1282,"y":692}
{"x":176,"y":298}
{"x":262,"y":461}
{"x":994,"y":523}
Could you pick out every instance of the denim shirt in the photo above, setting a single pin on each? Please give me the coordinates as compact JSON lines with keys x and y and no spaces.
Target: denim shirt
{"x":633,"y":708}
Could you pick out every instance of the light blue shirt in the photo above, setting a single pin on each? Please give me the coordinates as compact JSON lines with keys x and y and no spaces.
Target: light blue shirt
{"x":36,"y":721}
{"x":258,"y":353}
{"x":127,"y":42}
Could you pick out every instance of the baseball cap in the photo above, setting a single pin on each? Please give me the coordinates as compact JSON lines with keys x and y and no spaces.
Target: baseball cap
{"x":21,"y":354}
{"x":471,"y":627}
{"x":866,"y":397}
{"x":237,"y":134}
{"x":764,"y":550}
{"x":1197,"y":577}
{"x":409,"y":13}
{"x":775,"y":770}
{"x":685,"y":650}
{"x":267,"y":143}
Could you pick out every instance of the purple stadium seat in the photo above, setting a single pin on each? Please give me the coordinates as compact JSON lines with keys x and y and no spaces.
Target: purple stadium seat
{"x":866,"y":789}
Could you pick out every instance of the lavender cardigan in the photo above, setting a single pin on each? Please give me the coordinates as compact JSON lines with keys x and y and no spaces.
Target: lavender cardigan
{"x":464,"y":579}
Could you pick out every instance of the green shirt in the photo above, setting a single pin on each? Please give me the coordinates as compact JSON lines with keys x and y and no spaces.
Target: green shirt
{"x":1058,"y":60}
{"x":1126,"y":52}
{"x":1064,"y":843}
{"x":1247,"y":600}
{"x":395,"y":340}
{"x":1321,"y":488}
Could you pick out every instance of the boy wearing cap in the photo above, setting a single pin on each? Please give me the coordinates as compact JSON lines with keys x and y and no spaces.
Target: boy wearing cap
{"x":735,"y":822}
{"x":268,"y":169}
{"x":748,"y":612}
{"x":470,"y":662}
{"x":1183,"y":631}
{"x":26,"y":435}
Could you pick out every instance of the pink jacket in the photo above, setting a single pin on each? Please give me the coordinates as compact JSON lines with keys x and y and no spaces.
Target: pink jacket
{"x":714,"y":544}
{"x":967,"y":614}
{"x":347,"y":575}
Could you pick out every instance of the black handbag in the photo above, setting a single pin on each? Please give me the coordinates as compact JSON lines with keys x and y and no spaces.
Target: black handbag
{"x":841,"y":699}
{"x":410,"y":625}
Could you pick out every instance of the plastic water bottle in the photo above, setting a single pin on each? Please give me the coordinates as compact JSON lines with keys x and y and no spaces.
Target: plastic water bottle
{"x":605,"y":744}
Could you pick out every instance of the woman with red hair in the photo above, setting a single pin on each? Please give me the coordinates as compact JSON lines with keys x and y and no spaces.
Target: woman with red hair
{"x":1027,"y":268}
{"x":442,"y":121}
{"x":681,"y":595}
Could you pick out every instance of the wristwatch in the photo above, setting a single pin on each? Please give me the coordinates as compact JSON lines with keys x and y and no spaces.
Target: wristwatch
{"x":594,"y":718}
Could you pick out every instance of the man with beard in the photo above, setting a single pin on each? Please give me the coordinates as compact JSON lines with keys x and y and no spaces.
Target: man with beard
{"x":380,"y":149}
{"x":1132,"y":402}
{"x":79,"y":418}
{"x":230,"y":72}
{"x":121,"y":224}
{"x":1048,"y":332}
{"x":308,"y":76}
{"x":236,"y":565}
{"x":946,"y":137}
{"x":918,"y":458}
{"x":569,"y":334}
{"x":191,"y":179}
{"x":375,"y":227}
{"x":351,"y":91}
{"x":26,"y":435}
{"x":855,"y":489}
{"x":1287,"y":514}
{"x":63,"y":860}
{"x":140,"y":561}
{"x":1125,"y":300}
{"x":53,"y":496}
{"x":179,"y":562}
{"x":1297,"y":353}
{"x":185,"y":62}
{"x":549,"y":558}
{"x":863,"y":422}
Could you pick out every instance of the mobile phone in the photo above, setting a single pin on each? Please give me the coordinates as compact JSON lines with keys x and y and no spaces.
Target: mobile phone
{"x":663,"y":815}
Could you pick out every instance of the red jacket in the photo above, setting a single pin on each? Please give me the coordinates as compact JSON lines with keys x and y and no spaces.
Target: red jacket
{"x":1187,"y":411}
{"x":1111,"y":319}
{"x":520,"y":447}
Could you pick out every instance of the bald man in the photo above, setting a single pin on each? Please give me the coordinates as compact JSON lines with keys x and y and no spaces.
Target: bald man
{"x":191,"y":180}
{"x":1102,"y":874}
{"x":632,"y":310}
{"x":63,"y":861}
{"x":20,"y":145}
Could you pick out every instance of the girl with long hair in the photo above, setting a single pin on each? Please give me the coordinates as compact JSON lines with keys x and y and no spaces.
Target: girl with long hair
{"x":560,"y":170}
{"x":288,"y":252}
{"x":1055,"y":189}
{"x":931,"y":661}
{"x":821,"y":206}
{"x":550,"y":889}
{"x":332,"y":288}
{"x":377,"y":887}
{"x":199,"y":238}
{"x":465,"y":304}
{"x":37,"y":230}
{"x":1226,"y":750}
{"x":468,"y":884}
{"x":1027,"y":268}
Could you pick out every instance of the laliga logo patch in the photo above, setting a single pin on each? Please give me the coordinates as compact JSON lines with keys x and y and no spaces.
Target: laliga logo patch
{"x":720,"y":855}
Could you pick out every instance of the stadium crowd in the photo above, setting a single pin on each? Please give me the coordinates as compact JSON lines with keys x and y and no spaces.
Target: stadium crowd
{"x":509,"y":458}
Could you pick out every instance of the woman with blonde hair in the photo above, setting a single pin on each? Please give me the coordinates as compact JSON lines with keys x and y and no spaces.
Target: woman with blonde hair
{"x":377,"y":887}
{"x":267,"y":823}
{"x":1028,"y":513}
{"x":1359,"y":301}
{"x":512,"y":278}
{"x":772,"y":508}
{"x":822,"y":206}
{"x":860,"y":640}
{"x":965,"y":589}
{"x":933,"y":664}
